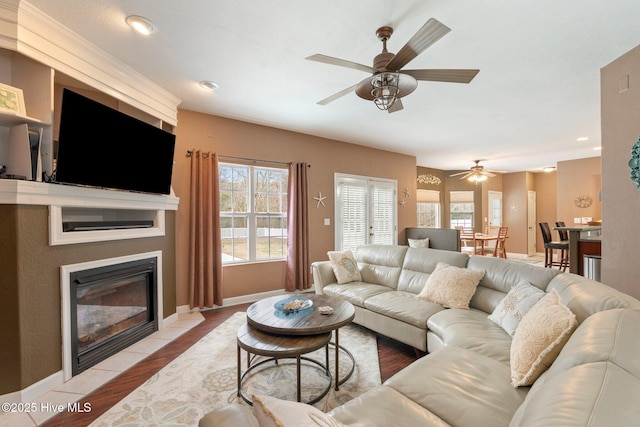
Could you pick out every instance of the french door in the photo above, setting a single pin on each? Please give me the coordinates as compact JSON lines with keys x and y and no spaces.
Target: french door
{"x":366,"y":211}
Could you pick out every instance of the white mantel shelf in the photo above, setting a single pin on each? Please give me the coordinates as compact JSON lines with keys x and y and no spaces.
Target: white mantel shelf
{"x":17,"y":192}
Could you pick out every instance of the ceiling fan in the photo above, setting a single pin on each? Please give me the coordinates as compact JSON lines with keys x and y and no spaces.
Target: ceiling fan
{"x":475,"y":173}
{"x":389,"y":82}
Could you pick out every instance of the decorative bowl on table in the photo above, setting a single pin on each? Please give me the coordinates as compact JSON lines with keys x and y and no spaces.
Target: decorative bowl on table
{"x":293,"y":304}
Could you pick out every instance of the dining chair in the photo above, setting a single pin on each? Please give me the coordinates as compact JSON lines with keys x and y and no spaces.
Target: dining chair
{"x":500,"y":249}
{"x":550,"y":246}
{"x":469,"y":242}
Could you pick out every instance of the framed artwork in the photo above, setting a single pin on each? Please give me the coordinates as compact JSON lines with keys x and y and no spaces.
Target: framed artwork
{"x":11,"y":99}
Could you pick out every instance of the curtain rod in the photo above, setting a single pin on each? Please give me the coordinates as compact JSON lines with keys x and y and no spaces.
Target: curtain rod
{"x":190,"y":153}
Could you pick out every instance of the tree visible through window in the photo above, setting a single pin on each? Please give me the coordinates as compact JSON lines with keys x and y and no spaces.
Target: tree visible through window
{"x":253,"y":213}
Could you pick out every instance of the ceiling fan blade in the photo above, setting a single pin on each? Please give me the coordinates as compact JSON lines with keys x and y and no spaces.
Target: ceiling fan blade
{"x":432,"y":31}
{"x":489,"y":174}
{"x":460,"y":173}
{"x":397,"y":106}
{"x":450,"y":76}
{"x":340,"y":62}
{"x":337,"y":95}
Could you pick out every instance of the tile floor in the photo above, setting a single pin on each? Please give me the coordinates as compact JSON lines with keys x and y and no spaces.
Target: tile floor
{"x":58,"y":399}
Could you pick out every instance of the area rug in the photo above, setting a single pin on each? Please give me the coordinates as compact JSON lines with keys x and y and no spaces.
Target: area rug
{"x":203,"y":378}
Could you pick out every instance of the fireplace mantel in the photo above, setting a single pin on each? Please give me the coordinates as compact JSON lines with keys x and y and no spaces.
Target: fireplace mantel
{"x":72,"y":204}
{"x":20,"y":192}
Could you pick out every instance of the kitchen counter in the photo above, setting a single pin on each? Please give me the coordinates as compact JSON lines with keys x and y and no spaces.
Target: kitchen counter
{"x":583,"y":240}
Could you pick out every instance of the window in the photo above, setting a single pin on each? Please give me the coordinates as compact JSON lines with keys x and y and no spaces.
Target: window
{"x":461,"y":209}
{"x":253,"y":213}
{"x":428,"y":205}
{"x":365,"y":211}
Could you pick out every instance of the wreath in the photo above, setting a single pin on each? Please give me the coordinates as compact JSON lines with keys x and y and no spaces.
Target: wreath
{"x":634,"y":163}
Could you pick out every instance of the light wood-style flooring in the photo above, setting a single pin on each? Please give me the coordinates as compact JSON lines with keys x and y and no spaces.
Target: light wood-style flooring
{"x":393,"y":357}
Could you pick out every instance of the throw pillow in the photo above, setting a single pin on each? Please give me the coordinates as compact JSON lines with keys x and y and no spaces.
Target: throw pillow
{"x":272,"y":412}
{"x":451,"y":286}
{"x":418,"y":243}
{"x":344,"y":266}
{"x":509,"y":312}
{"x":539,"y":337}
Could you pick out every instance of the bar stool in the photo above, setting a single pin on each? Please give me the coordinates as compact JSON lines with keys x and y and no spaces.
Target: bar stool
{"x":550,"y":246}
{"x":564,"y":234}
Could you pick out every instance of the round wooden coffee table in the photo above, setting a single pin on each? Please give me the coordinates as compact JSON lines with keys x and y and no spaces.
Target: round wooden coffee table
{"x":276,"y":347}
{"x":262,"y":316}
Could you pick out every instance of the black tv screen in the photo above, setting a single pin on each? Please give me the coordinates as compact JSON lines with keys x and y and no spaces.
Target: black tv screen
{"x":99,"y":146}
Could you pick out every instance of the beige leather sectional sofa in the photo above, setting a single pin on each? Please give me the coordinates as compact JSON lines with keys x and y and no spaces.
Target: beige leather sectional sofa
{"x":467,"y":377}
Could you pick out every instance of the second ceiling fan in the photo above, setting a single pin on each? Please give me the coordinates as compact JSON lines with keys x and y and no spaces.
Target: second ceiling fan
{"x":389,"y":82}
{"x":476,"y":173}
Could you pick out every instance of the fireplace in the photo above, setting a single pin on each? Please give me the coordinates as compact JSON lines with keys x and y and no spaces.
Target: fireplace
{"x":110,"y":304}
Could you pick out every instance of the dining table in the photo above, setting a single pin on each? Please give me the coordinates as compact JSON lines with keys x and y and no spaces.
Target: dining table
{"x":482,"y":237}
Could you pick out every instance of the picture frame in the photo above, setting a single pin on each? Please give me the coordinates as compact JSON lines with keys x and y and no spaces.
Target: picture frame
{"x":11,"y":100}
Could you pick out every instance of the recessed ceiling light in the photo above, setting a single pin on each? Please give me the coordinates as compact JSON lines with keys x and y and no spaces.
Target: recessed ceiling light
{"x":208,"y":85}
{"x":141,"y":25}
{"x":597,"y":148}
{"x":548,"y":168}
{"x":582,"y":138}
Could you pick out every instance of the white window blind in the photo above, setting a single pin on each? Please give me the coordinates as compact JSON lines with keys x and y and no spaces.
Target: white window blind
{"x":382,"y":209}
{"x":365,"y":211}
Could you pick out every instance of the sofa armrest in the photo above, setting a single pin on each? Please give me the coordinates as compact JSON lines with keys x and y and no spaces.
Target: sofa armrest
{"x":233,"y":415}
{"x":322,"y":275}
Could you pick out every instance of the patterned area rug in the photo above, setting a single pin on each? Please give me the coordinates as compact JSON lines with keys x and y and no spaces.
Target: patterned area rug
{"x":204,"y":378}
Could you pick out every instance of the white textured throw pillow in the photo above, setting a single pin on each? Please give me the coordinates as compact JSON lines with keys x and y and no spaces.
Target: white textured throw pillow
{"x":272,"y":412}
{"x":539,"y":337}
{"x":451,"y":286}
{"x":344,"y":266}
{"x":510,"y":311}
{"x":418,"y":243}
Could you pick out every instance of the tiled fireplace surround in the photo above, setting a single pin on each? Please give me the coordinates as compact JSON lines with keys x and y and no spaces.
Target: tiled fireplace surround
{"x":31,"y":319}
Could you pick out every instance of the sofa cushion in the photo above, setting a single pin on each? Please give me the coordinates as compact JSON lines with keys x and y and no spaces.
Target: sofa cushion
{"x":598,"y":368}
{"x":501,"y":275}
{"x":273,"y":412}
{"x":418,"y":243}
{"x":403,"y":306}
{"x":515,"y":305}
{"x":451,"y":286}
{"x":419,"y":263}
{"x":471,"y":330}
{"x":380,"y":264}
{"x":344,"y":266}
{"x":585,"y":297}
{"x":383,"y":406}
{"x":355,"y":292}
{"x":595,"y":394}
{"x":539,"y":338}
{"x":461,"y":387}
{"x":610,"y":335}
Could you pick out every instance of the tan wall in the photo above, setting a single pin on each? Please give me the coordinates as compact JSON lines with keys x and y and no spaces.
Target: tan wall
{"x":577,"y":178}
{"x":235,"y":138}
{"x":546,"y":205}
{"x":620,"y":95}
{"x":30,"y":300}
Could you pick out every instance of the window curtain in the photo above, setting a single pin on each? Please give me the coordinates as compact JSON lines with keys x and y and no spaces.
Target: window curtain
{"x":297,"y":273}
{"x":205,"y":262}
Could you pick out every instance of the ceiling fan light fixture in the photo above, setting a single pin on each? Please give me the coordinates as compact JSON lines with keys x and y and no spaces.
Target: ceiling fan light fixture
{"x":385,"y":89}
{"x":477,"y":177}
{"x":141,"y":25}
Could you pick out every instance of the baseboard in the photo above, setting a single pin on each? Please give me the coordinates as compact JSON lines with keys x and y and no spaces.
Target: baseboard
{"x":244,"y":299}
{"x":35,"y":390}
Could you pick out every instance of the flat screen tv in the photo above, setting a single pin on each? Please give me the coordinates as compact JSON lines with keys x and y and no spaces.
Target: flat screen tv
{"x":99,"y":146}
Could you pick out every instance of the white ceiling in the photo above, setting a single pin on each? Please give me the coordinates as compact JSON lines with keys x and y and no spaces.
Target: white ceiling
{"x":537,"y":91}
